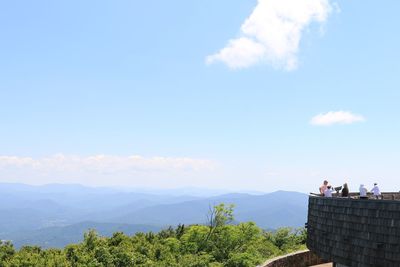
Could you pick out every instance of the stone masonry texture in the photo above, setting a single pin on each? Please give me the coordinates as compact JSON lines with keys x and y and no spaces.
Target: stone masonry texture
{"x":297,"y":259}
{"x":355,"y":232}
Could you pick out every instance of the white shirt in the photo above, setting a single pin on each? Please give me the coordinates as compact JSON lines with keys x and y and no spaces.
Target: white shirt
{"x":328,"y":192}
{"x":376,"y":191}
{"x":363,"y":191}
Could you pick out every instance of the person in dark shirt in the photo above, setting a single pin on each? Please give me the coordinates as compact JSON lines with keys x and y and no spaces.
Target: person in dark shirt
{"x":345,"y":190}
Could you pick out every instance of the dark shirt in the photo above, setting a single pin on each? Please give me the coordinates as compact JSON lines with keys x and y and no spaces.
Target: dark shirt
{"x":345,"y":192}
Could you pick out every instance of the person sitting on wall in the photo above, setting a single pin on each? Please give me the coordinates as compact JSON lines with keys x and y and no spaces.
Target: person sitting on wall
{"x":375,"y":190}
{"x":363,"y":192}
{"x":345,"y":190}
{"x":323,"y":187}
{"x":328,"y":191}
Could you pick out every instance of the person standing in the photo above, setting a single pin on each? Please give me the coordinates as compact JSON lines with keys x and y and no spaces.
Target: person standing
{"x":363,"y":191}
{"x":345,"y":190}
{"x":323,"y":187}
{"x":375,"y":190}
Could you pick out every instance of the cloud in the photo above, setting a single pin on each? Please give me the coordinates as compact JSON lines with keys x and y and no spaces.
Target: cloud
{"x":102,"y":169}
{"x":100,"y":163}
{"x":272,"y":33}
{"x":336,"y":117}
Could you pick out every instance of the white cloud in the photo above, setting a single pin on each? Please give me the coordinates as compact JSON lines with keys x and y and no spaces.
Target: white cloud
{"x":336,"y":117}
{"x":239,"y":53}
{"x":107,"y":163}
{"x":272,"y":33}
{"x":102,"y":169}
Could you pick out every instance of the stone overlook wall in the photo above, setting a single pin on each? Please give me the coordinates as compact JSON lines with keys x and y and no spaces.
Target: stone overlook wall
{"x":355,"y":232}
{"x":298,"y":259}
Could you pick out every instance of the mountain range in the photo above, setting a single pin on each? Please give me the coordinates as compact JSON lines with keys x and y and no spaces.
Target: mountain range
{"x":56,"y":215}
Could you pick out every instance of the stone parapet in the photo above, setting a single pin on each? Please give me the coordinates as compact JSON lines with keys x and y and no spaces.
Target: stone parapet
{"x":298,"y":259}
{"x":355,"y":232}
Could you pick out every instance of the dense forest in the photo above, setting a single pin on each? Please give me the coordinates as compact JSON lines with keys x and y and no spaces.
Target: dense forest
{"x":219,"y":243}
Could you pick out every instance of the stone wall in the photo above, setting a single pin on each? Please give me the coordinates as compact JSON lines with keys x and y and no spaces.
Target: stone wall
{"x":384,"y":195}
{"x":298,"y":259}
{"x":355,"y":232}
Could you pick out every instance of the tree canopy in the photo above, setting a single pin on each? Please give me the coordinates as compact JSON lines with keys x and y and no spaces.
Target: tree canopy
{"x":219,"y":243}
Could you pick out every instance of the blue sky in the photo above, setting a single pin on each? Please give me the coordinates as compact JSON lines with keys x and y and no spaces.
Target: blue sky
{"x":85,"y":85}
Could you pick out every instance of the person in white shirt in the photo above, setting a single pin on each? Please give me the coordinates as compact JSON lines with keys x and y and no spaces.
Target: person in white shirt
{"x":328,"y":191}
{"x":375,"y":190}
{"x":363,"y":191}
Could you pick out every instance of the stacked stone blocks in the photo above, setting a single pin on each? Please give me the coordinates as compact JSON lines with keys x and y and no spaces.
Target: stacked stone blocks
{"x":355,"y":232}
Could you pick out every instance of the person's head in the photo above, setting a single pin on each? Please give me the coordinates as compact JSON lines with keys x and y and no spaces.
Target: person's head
{"x":345,"y":185}
{"x":329,"y":187}
{"x":375,"y":183}
{"x":325,"y":182}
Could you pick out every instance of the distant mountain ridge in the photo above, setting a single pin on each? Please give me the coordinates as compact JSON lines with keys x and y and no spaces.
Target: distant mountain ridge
{"x":268,"y":211}
{"x":52,"y":215}
{"x":60,"y":236}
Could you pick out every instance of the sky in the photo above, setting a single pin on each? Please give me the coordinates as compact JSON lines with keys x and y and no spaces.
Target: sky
{"x":239,"y":95}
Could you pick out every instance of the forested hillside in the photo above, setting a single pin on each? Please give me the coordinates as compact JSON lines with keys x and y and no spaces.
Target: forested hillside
{"x":218,"y":243}
{"x":57,"y":215}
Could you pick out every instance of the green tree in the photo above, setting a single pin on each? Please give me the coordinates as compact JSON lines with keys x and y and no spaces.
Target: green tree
{"x":7,"y":251}
{"x":220,"y":215}
{"x":218,"y":243}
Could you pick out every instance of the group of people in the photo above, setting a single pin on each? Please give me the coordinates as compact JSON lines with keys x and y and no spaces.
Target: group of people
{"x":375,"y":191}
{"x":326,"y":190}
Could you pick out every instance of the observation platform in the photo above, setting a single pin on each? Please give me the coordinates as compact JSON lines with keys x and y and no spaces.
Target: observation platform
{"x":354,"y":232}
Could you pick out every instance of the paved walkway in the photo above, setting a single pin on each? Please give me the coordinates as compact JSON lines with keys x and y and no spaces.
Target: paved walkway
{"x":324,"y":265}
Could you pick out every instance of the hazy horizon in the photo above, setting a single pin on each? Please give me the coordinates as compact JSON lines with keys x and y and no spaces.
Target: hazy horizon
{"x":158,"y":190}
